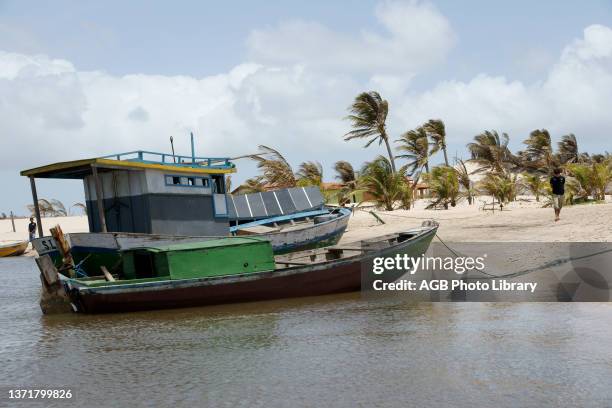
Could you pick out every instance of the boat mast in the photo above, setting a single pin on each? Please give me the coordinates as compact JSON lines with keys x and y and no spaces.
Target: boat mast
{"x":192,"y":149}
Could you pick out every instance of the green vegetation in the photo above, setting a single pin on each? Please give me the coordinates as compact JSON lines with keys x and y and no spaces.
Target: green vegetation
{"x":386,"y":186}
{"x":504,"y":174}
{"x":443,"y":186}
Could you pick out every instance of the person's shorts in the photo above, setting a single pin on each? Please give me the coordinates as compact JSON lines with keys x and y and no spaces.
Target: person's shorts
{"x":558,"y":201}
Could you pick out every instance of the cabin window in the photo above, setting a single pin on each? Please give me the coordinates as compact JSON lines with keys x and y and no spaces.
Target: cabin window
{"x":173,"y":180}
{"x":187,"y":181}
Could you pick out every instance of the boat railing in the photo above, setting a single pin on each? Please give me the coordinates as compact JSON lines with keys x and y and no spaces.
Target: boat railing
{"x":144,"y":156}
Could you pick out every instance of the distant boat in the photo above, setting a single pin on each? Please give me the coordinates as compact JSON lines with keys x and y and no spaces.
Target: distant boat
{"x":13,"y":249}
{"x":228,"y":270}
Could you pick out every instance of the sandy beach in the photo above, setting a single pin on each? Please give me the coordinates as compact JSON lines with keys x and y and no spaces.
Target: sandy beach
{"x":521,"y":221}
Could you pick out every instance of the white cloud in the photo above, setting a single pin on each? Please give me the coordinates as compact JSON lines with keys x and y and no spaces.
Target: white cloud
{"x":575,"y":96}
{"x":415,"y":36}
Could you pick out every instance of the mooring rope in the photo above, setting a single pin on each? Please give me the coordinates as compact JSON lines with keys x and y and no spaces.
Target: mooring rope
{"x":418,"y":218}
{"x":550,"y":264}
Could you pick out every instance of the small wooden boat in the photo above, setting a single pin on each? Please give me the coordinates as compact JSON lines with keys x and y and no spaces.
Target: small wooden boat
{"x":228,"y":270}
{"x":13,"y":249}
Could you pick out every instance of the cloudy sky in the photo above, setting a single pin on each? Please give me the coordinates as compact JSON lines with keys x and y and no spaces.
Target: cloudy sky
{"x":82,"y":79}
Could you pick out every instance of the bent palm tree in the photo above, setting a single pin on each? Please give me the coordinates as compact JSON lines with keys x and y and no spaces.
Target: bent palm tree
{"x":539,"y":153}
{"x":81,"y":206}
{"x":568,"y":149}
{"x":253,"y":185}
{"x":436,"y":130}
{"x":310,"y":173}
{"x":416,"y":147}
{"x":490,"y":151}
{"x":368,"y":118}
{"x":277,"y":171}
{"x":348,"y":178}
{"x":463,"y":175}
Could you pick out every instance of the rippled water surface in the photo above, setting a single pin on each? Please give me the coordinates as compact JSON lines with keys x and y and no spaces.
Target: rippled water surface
{"x":331,"y":351}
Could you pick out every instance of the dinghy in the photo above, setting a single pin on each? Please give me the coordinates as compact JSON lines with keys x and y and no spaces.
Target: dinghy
{"x":13,"y":249}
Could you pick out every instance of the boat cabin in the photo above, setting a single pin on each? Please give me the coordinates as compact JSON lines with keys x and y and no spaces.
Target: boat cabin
{"x":148,"y":192}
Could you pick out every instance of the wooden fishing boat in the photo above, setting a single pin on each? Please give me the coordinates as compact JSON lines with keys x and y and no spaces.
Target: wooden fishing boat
{"x":230,"y":270}
{"x":13,"y":249}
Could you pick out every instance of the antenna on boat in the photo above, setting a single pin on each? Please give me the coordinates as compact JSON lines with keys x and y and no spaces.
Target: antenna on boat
{"x":172,"y":145}
{"x":192,"y":149}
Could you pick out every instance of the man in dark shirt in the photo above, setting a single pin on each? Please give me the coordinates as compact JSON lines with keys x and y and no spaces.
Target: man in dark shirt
{"x":557,"y":182}
{"x":32,"y":229}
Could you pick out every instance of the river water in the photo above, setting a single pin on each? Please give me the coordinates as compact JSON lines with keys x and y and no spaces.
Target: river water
{"x":328,"y":351}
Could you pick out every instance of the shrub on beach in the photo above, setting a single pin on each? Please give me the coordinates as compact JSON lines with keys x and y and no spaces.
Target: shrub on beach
{"x":443,"y":184}
{"x":384,"y":185}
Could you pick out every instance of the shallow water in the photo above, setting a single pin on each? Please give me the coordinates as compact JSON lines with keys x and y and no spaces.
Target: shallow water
{"x":329,"y":351}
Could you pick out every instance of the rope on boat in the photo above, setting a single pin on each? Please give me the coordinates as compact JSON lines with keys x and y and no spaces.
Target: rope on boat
{"x":77,"y":268}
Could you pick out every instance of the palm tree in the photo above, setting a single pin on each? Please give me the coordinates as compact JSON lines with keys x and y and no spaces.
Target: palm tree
{"x":81,"y":206}
{"x":58,"y":208}
{"x":385,"y":185}
{"x":253,"y":185}
{"x":490,"y":151}
{"x":443,"y":185}
{"x":463,"y":175}
{"x":416,"y":147}
{"x":368,"y":118}
{"x":568,"y":149}
{"x":593,"y":178}
{"x":501,"y":186}
{"x":310,"y":173}
{"x":437,"y":132}
{"x":277,"y":171}
{"x":535,"y":183}
{"x":539,"y":153}
{"x":52,"y":208}
{"x":347,"y":176}
{"x":602,"y":176}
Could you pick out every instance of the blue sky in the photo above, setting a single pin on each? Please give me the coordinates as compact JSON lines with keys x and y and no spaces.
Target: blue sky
{"x":201,"y":38}
{"x":242,"y":73}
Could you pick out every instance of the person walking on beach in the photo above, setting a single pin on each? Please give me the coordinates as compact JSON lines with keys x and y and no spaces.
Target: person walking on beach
{"x":557,"y":182}
{"x":32,"y":229}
